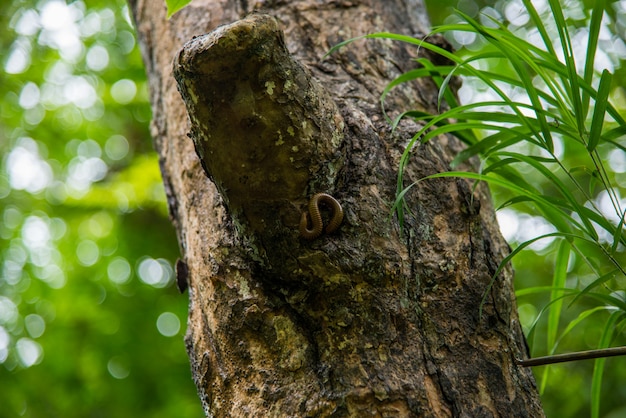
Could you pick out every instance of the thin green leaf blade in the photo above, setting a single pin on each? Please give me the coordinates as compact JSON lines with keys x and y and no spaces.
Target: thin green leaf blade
{"x":618,"y":233}
{"x":597,"y":282}
{"x":580,"y":319}
{"x":572,"y":80}
{"x":598,"y":367}
{"x":175,"y":5}
{"x":592,"y":46}
{"x":558,"y":282}
{"x":599,"y":111}
{"x":534,"y":15}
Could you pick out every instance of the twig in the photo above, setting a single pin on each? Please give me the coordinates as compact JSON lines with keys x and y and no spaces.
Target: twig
{"x":579,"y":355}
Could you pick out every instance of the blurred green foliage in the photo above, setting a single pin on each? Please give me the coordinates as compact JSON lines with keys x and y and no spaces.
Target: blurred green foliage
{"x":90,"y":321}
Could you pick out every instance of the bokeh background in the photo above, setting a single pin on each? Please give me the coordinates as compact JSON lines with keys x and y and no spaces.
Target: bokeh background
{"x":91,"y":323}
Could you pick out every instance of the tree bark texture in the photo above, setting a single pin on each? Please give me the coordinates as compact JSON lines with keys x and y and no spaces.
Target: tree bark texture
{"x":373,"y":319}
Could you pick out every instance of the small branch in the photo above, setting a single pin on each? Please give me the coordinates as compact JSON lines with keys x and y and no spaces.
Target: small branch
{"x":580,"y":355}
{"x":262,"y":126}
{"x":267,"y":133}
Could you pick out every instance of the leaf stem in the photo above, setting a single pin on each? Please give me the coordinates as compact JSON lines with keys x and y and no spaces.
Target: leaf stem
{"x":579,"y":355}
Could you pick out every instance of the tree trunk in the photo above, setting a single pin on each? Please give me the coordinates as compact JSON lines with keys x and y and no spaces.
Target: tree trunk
{"x":370,"y":319}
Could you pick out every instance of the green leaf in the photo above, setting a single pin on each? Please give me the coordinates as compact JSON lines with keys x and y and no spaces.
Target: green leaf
{"x":547,"y":40}
{"x":609,"y":300}
{"x":558,"y":282}
{"x":544,"y":289}
{"x":559,"y":219}
{"x":599,"y":110}
{"x":580,"y":319}
{"x":618,"y":235}
{"x":509,"y":257}
{"x":570,"y":62}
{"x":602,"y":279}
{"x":537,"y":289}
{"x":175,"y":5}
{"x":598,"y":367}
{"x":592,"y":46}
{"x":517,"y":54}
{"x":570,"y":202}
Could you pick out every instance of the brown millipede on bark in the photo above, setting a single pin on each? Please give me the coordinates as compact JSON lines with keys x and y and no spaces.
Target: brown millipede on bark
{"x":316,"y":217}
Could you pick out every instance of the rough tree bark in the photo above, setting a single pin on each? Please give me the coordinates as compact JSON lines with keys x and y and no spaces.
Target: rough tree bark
{"x":371,"y":320}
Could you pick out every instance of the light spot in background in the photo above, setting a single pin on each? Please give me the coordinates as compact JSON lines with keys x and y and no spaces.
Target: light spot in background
{"x":519,"y":227}
{"x":35,"y":325}
{"x":515,"y":12}
{"x":611,"y":207}
{"x":124,"y":91}
{"x":26,"y":168}
{"x":29,"y":352}
{"x":90,"y":25}
{"x":70,"y":117}
{"x":82,"y":172}
{"x":12,"y":217}
{"x":79,"y":91}
{"x":4,"y":344}
{"x":464,"y":38}
{"x":18,"y":59}
{"x":53,"y":275}
{"x":43,"y":256}
{"x":89,"y":148}
{"x":472,"y":92}
{"x":489,"y":17}
{"x":34,"y":116}
{"x":118,"y":270}
{"x":97,"y":58}
{"x":116,"y":147}
{"x":126,"y":40}
{"x":60,"y":30}
{"x":620,"y":16}
{"x":29,"y":96}
{"x":99,"y":225}
{"x":27,"y":23}
{"x":58,"y":228}
{"x":532,"y":227}
{"x":107,"y":21}
{"x":168,"y":324}
{"x":12,"y":271}
{"x":94,"y":112}
{"x":617,"y":160}
{"x":8,"y":311}
{"x":156,"y":273}
{"x":35,"y":233}
{"x":509,"y":224}
{"x":14,"y":259}
{"x":126,"y":15}
{"x":87,"y":252}
{"x":118,"y":367}
{"x":56,"y":15}
{"x":52,"y":90}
